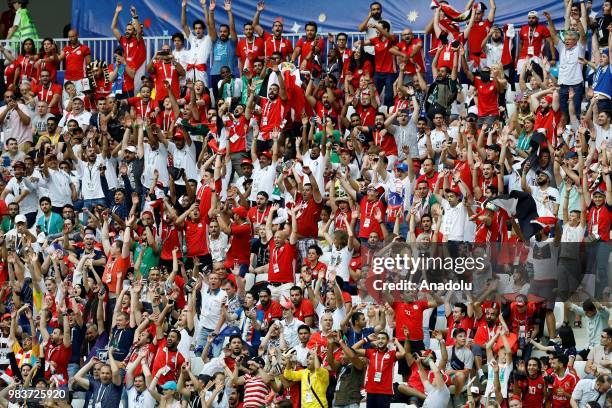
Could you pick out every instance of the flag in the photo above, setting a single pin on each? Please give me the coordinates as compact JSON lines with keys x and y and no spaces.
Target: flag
{"x":506,"y":58}
{"x":521,"y":206}
{"x":296,"y":99}
{"x":450,"y":12}
{"x":545,"y":222}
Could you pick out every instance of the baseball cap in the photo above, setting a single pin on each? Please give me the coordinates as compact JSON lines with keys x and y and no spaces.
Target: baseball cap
{"x":19,"y":163}
{"x":266,"y":153}
{"x":178,"y":134}
{"x":169,"y":385}
{"x":20,"y":218}
{"x":247,"y":162}
{"x":599,"y":191}
{"x":78,"y":97}
{"x":495,"y":147}
{"x":240,"y":211}
{"x":402,"y":167}
{"x":287,"y":304}
{"x":258,"y":360}
{"x":532,"y":13}
{"x":6,"y":316}
{"x":571,"y":155}
{"x":131,"y":149}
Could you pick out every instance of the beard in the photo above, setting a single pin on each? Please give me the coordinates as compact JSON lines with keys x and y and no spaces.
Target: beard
{"x":379,"y":126}
{"x":272,"y":97}
{"x":327,"y":105}
{"x":541,"y":183}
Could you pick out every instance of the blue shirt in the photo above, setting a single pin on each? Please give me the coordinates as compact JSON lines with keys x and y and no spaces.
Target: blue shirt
{"x":353,"y":337}
{"x":224,"y":54}
{"x":51,"y":225}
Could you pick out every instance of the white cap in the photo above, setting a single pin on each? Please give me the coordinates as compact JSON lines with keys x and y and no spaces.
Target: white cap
{"x":20,"y":218}
{"x":532,"y":13}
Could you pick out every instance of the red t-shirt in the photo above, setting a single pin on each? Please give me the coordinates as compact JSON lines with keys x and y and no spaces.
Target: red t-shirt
{"x":170,"y":237}
{"x":165,"y":71}
{"x":282,"y":45}
{"x":114,"y":272}
{"x":237,"y":132}
{"x":135,"y":51}
{"x":52,"y":67}
{"x":272,"y":115}
{"x":27,"y":67}
{"x":143,"y":109}
{"x":533,"y":397}
{"x":165,"y":119}
{"x":599,"y":221}
{"x":250,"y":51}
{"x":308,"y":214}
{"x":477,"y":34}
{"x":60,"y":355}
{"x":273,"y":311}
{"x":466,"y":323}
{"x":410,"y":315}
{"x":196,"y":237}
{"x":484,"y":333}
{"x":447,"y":56}
{"x":239,"y":250}
{"x":486,"y":233}
{"x":9,"y":73}
{"x":46,"y":94}
{"x":366,"y":69}
{"x":257,"y":217}
{"x":386,"y":142}
{"x":488,"y":97}
{"x":567,"y":383}
{"x":367,"y":114}
{"x":518,"y":319}
{"x":304,"y":310}
{"x":383,"y":59}
{"x":305,"y":47}
{"x":75,"y":61}
{"x":548,"y":121}
{"x":532,"y":40}
{"x":430,"y":180}
{"x":379,"y":378}
{"x":165,"y":357}
{"x":367,"y":222}
{"x":103,"y":88}
{"x":281,"y":267}
{"x":407,"y":48}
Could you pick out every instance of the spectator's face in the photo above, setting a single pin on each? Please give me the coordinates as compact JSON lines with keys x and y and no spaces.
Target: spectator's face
{"x":264,"y":298}
{"x":12,"y":146}
{"x":599,"y":199}
{"x":77,"y":105}
{"x":262,"y":201}
{"x":42,"y":108}
{"x":457,"y":313}
{"x":223,"y":33}
{"x":376,"y":11}
{"x":571,"y":40}
{"x":105,"y":374}
{"x":487,"y":170}
{"x":532,"y":21}
{"x":296,"y":296}
{"x":173,"y":339}
{"x":605,"y":339}
{"x":198,"y":30}
{"x":56,"y":336}
{"x":496,"y":35}
{"x":90,"y":334}
{"x":373,"y":238}
{"x":139,"y":383}
{"x":327,"y":321}
{"x":311,"y":31}
{"x":491,"y":315}
{"x":304,"y":336}
{"x":154,"y":274}
{"x":45,"y":206}
{"x":249,"y":300}
{"x":279,"y":238}
{"x":277,"y":28}
{"x":515,"y":404}
{"x":214,"y":281}
{"x":528,"y":126}
{"x":178,"y":44}
{"x":68,"y":213}
{"x":119,"y":196}
{"x":460,"y":339}
{"x":273,"y":92}
{"x":438,"y":120}
{"x":603,"y":119}
{"x":229,"y":288}
{"x":145,"y":93}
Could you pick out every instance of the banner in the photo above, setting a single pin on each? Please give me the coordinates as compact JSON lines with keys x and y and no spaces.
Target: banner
{"x":92,"y":18}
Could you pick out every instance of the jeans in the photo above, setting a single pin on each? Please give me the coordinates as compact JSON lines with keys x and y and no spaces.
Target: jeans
{"x":597,"y":264}
{"x":385,"y":79}
{"x":215,"y":348}
{"x":564,"y":98}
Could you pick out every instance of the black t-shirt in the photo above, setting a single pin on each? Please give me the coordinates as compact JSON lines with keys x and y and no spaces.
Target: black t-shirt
{"x":261,"y":251}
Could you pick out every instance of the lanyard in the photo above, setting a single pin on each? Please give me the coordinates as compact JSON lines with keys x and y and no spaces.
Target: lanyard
{"x":530,"y":36}
{"x":267,"y":108}
{"x":167,"y":121}
{"x":26,"y":66}
{"x":369,"y":212}
{"x":378,"y":140}
{"x":595,"y":217}
{"x":89,"y":169}
{"x":377,"y":368}
{"x":46,"y":225}
{"x":98,"y":397}
{"x":259,"y":220}
{"x":118,"y":338}
{"x":144,"y":112}
{"x":274,"y":255}
{"x":247,"y":51}
{"x":46,"y":94}
{"x":166,"y":75}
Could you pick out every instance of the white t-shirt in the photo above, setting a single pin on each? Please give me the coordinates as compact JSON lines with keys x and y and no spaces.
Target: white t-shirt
{"x":453,"y":222}
{"x":263,"y":180}
{"x":602,"y":135}
{"x":545,"y":199}
{"x":57,"y":188}
{"x":218,"y":247}
{"x":339,"y":261}
{"x":82,"y":118}
{"x":317,"y":166}
{"x":338,"y":314}
{"x":185,"y":159}
{"x":504,"y":377}
{"x":144,"y":400}
{"x":570,"y":69}
{"x":14,"y":127}
{"x":30,"y":202}
{"x":212,"y":305}
{"x":155,"y":160}
{"x":89,"y":173}
{"x":199,"y":53}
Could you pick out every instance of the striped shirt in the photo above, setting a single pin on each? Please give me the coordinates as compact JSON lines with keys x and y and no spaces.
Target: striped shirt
{"x":255,"y":391}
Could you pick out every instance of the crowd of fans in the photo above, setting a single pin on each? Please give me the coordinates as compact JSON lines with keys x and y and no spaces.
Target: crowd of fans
{"x":199,"y":229}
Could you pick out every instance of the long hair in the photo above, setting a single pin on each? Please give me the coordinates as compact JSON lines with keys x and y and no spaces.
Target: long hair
{"x":357,"y":63}
{"x":33,"y":52}
{"x":41,"y":51}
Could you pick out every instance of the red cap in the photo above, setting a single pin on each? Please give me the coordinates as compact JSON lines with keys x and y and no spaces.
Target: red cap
{"x":267,"y":154}
{"x":246,"y":161}
{"x":178,"y":134}
{"x":240,"y":211}
{"x":548,"y":99}
{"x":6,"y":316}
{"x":287,"y":304}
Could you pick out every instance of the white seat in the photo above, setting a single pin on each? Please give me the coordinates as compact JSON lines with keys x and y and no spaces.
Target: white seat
{"x":196,"y":365}
{"x":249,"y":281}
{"x":579,"y":367}
{"x":78,"y":403}
{"x":261,"y":278}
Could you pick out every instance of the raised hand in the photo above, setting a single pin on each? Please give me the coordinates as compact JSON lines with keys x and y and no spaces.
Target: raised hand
{"x":213,"y":5}
{"x":119,"y":8}
{"x":228,"y":5}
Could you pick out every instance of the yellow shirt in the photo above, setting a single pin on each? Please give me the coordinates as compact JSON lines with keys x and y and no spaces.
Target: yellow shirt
{"x":319,"y":381}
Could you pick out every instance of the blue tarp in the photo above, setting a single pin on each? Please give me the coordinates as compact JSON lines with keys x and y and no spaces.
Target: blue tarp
{"x":162,"y":17}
